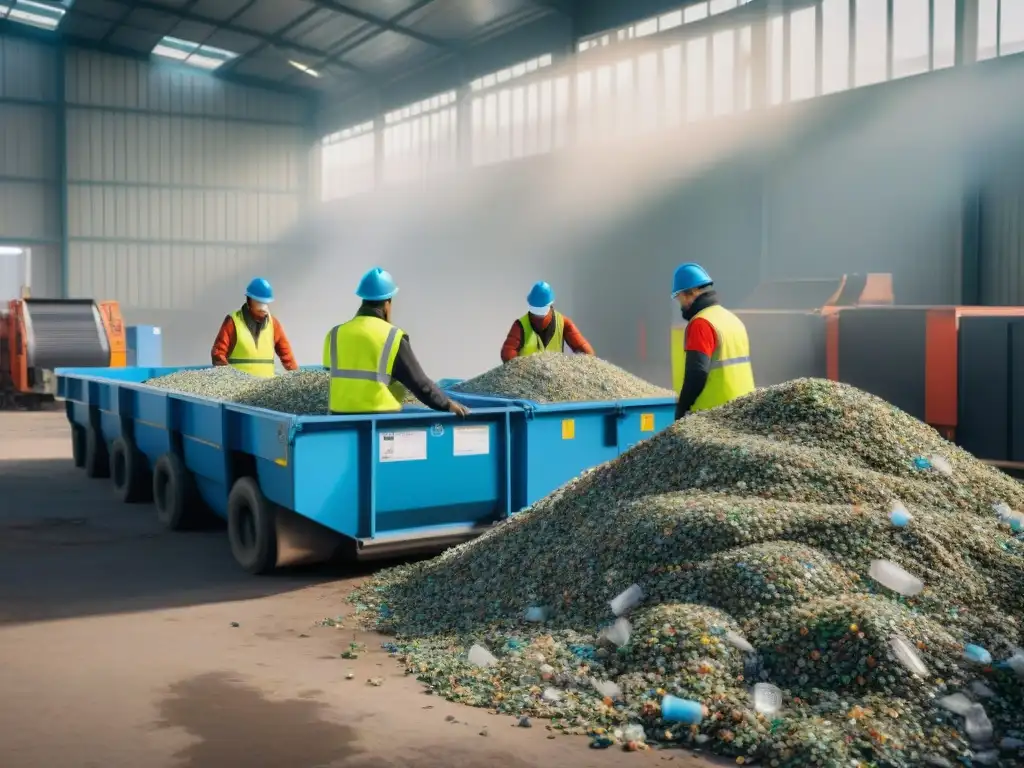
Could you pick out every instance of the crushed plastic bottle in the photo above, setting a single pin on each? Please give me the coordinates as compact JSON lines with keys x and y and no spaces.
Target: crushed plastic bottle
{"x":481,"y":657}
{"x":941,"y":465}
{"x":618,"y":633}
{"x":890,"y":575}
{"x":920,"y":462}
{"x":767,"y":698}
{"x":626,"y":601}
{"x":737,"y":640}
{"x":552,"y":695}
{"x":907,"y":656}
{"x":1006,"y":515}
{"x":956,"y":703}
{"x":977,"y":654}
{"x":607,"y":689}
{"x":898,"y":515}
{"x":981,"y":690}
{"x":634,"y":732}
{"x":546,"y":672}
{"x":536,"y":614}
{"x":977,"y":726}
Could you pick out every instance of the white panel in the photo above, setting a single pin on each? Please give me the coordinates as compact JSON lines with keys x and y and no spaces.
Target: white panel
{"x":28,"y":210}
{"x":28,"y":139}
{"x":27,"y":70}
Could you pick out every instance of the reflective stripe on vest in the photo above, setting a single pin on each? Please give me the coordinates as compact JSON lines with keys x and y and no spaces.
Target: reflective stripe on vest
{"x":255,"y":357}
{"x":531,"y":339}
{"x":731,"y":374}
{"x":360,"y":356}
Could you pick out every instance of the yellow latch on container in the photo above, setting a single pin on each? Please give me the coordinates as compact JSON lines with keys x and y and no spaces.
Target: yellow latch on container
{"x":646,"y":422}
{"x":568,"y":429}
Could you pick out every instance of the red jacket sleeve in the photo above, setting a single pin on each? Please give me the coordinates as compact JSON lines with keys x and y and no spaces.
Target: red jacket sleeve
{"x":514,"y":339}
{"x":700,"y":337}
{"x":224,"y":342}
{"x":283,"y":348}
{"x":574,"y":338}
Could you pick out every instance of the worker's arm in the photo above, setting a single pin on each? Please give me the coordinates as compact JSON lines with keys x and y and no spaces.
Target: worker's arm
{"x":700,"y":346}
{"x":283,"y":348}
{"x":408,"y":372}
{"x":513,"y":342}
{"x":224,"y":342}
{"x":574,"y":338}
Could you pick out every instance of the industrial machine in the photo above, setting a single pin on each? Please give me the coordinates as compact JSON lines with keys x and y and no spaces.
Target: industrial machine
{"x":39,"y":335}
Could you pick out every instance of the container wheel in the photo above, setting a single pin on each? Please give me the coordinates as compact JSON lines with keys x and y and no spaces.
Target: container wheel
{"x":251,"y":527}
{"x":97,"y":461}
{"x":78,"y":445}
{"x":175,"y":494}
{"x":130,"y":472}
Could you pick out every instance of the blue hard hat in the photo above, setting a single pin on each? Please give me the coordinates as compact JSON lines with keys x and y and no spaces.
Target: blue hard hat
{"x":541,"y":295}
{"x":689,"y":276}
{"x":376,"y":285}
{"x":259,"y":289}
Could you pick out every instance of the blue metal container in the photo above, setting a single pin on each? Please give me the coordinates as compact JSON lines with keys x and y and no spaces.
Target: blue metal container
{"x":553,"y":443}
{"x":145,"y":346}
{"x":387,"y":483}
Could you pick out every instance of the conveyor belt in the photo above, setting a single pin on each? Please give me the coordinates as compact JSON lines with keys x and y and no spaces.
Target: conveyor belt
{"x":66,"y":333}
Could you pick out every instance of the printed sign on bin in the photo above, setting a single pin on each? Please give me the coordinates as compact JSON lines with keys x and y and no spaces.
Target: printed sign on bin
{"x":568,"y":429}
{"x":646,"y":422}
{"x":410,"y":445}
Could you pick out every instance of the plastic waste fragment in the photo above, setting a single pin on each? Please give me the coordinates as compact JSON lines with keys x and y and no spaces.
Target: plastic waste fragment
{"x":1016,"y":662}
{"x":1006,"y":515}
{"x":937,"y":761}
{"x":552,"y":695}
{"x":536,"y":614}
{"x":981,"y":690}
{"x":907,"y":656}
{"x":988,"y":757}
{"x":920,"y":462}
{"x":674,"y":709}
{"x":890,"y":575}
{"x":546,"y":671}
{"x":977,"y":726}
{"x":627,"y":600}
{"x":956,"y":703}
{"x":941,"y":465}
{"x":737,"y":640}
{"x":977,"y":654}
{"x":898,"y":515}
{"x":634,"y":732}
{"x":607,"y":689}
{"x":1009,"y":743}
{"x":481,"y":657}
{"x":767,"y":698}
{"x":618,"y":633}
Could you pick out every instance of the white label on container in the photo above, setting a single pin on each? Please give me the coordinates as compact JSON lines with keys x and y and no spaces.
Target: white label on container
{"x":403,"y":446}
{"x":471,"y":441}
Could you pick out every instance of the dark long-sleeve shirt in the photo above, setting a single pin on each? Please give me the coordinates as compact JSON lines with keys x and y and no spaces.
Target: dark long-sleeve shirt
{"x":408,"y":372}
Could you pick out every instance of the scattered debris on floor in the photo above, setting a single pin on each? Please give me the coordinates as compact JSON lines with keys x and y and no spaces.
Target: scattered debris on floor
{"x":760,"y":538}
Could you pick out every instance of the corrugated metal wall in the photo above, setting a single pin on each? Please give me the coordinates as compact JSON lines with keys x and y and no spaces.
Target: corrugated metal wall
{"x":29,"y":199}
{"x":175,"y":181}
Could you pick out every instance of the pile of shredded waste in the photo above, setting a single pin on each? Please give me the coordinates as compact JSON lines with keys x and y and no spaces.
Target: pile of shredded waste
{"x":822,"y":576}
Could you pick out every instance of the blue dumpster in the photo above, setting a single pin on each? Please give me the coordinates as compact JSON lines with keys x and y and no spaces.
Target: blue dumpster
{"x":293,"y":488}
{"x":553,"y":443}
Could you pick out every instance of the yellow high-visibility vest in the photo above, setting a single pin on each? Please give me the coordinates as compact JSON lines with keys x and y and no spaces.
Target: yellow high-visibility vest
{"x":531,"y":341}
{"x":249,"y":355}
{"x":731,"y":374}
{"x":360,"y":355}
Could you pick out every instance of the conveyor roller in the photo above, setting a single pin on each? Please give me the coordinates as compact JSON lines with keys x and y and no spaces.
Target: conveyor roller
{"x":66,"y":333}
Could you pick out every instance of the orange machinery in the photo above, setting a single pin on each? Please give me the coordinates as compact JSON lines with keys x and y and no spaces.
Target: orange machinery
{"x":40,"y":335}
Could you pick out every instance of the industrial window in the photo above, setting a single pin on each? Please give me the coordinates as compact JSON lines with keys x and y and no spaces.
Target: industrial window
{"x":910,"y":33}
{"x":745,"y":69}
{"x":871,"y":39}
{"x":673,"y":93}
{"x":347,"y":160}
{"x":835,"y":46}
{"x":662,"y":23}
{"x":776,"y":60}
{"x":43,"y":15}
{"x":697,"y":79}
{"x":944,"y":43}
{"x":647,"y":95}
{"x":1011,"y":28}
{"x":195,"y":55}
{"x":803,"y":50}
{"x":1000,"y":28}
{"x":421,"y":139}
{"x":528,"y":116}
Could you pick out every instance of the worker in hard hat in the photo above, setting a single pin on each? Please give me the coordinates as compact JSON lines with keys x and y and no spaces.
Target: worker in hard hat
{"x":711,"y":353}
{"x":543,"y":328}
{"x":371,"y":361}
{"x":249,"y":337}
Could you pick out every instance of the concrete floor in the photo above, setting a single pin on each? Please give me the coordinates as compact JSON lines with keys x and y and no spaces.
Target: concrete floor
{"x":118,"y":648}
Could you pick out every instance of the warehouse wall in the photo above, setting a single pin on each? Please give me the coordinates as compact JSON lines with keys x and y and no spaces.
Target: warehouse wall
{"x":178,"y":187}
{"x":29,"y":190}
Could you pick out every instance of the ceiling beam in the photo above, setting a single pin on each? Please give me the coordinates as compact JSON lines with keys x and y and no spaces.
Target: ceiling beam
{"x":355,"y":40}
{"x":387,"y":25}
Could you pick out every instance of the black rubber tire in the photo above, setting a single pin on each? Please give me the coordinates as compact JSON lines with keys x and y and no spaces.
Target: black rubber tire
{"x":175,"y":495}
{"x":129,"y":472}
{"x":97,"y":461}
{"x":78,"y":445}
{"x":251,"y":528}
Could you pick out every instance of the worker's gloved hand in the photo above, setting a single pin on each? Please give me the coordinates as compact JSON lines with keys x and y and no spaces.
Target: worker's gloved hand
{"x":457,"y":408}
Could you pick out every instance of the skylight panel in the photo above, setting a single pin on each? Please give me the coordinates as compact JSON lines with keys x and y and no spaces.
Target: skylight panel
{"x":185,"y":51}
{"x":303,"y":68}
{"x":35,"y":14}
